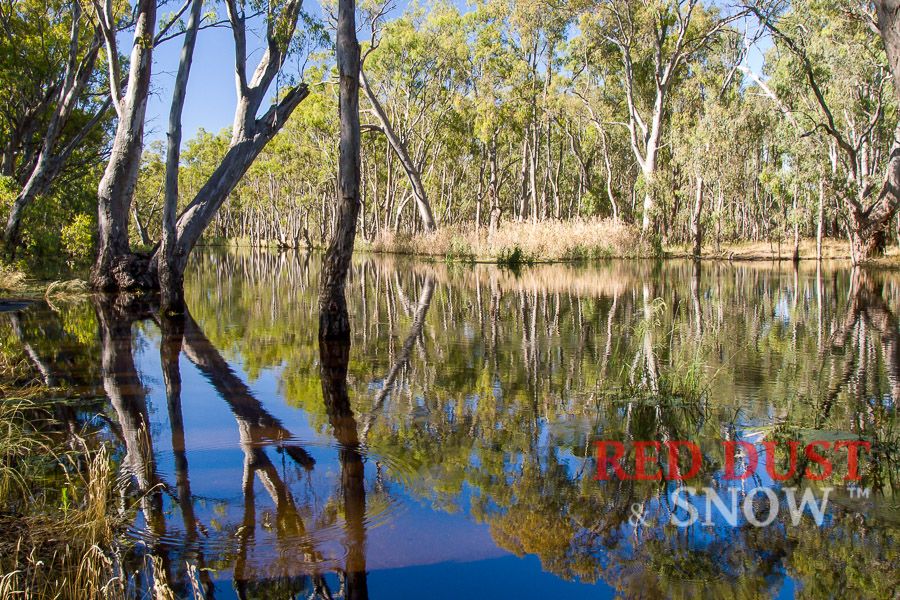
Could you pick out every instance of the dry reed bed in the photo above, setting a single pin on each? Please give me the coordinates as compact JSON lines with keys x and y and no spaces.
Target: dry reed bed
{"x":11,"y":279}
{"x":522,"y":242}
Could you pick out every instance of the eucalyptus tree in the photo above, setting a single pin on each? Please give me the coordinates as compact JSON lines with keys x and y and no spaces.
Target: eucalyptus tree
{"x":48,"y":60}
{"x":494,"y":119}
{"x":535,"y":33}
{"x":334,"y":319}
{"x":116,"y":266}
{"x":846,"y":78}
{"x":251,"y":130}
{"x":716,"y":134}
{"x":599,"y":101}
{"x":651,"y":44}
{"x":170,"y":277}
{"x":411,"y":167}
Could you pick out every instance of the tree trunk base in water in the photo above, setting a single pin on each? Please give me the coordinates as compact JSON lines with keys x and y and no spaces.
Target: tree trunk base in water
{"x":334,"y":323}
{"x":171,"y":299}
{"x":171,"y":289}
{"x":125,"y":273}
{"x":865,"y":246}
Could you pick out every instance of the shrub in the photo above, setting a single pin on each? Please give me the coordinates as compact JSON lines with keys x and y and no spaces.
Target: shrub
{"x":78,"y":237}
{"x":460,"y":250}
{"x":513,"y":257}
{"x":7,"y":193}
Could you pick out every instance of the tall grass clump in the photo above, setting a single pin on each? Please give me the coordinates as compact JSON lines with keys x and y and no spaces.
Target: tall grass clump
{"x":515,"y":243}
{"x":11,"y":279}
{"x":60,"y":528}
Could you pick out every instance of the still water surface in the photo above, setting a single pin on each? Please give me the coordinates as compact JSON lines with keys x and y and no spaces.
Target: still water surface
{"x":454,"y":459}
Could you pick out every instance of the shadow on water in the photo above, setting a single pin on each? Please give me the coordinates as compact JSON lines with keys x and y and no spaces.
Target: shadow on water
{"x":458,"y":427}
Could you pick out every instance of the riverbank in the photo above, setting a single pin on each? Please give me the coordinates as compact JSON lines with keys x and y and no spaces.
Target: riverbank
{"x":514,"y":243}
{"x":520,"y":242}
{"x":568,"y":241}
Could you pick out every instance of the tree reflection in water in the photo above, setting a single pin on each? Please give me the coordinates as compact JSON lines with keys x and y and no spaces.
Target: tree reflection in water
{"x":298,"y":567}
{"x":479,"y":391}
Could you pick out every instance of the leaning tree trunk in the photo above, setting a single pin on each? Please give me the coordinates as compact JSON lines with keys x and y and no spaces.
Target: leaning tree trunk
{"x":399,"y":147}
{"x":116,"y":268}
{"x":51,"y":158}
{"x":197,"y":216}
{"x":250,"y":134}
{"x":334,"y":320}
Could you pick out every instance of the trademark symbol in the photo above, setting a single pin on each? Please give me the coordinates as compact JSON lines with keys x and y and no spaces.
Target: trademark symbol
{"x":858,"y":493}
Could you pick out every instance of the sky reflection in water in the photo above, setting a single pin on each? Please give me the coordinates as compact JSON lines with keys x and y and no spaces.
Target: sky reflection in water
{"x":454,"y":459}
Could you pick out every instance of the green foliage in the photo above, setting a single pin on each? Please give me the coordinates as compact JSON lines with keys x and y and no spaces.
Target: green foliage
{"x":525,"y":105}
{"x":459,"y":250}
{"x":513,"y":257}
{"x":8,"y":192}
{"x":77,"y":237}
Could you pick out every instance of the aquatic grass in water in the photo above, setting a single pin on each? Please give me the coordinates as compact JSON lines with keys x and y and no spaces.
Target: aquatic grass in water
{"x":72,"y":288}
{"x":60,"y":530}
{"x":17,"y":445}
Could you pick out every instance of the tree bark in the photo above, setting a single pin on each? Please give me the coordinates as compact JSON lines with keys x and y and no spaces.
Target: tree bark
{"x":116,"y":268}
{"x":171,"y":277}
{"x":820,"y":219}
{"x":334,"y":319}
{"x":696,"y":229}
{"x":494,"y":189}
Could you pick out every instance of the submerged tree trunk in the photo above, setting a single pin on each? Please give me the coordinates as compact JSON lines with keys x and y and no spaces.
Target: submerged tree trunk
{"x":116,"y":268}
{"x":867,"y":240}
{"x":334,"y":320}
{"x":412,"y":172}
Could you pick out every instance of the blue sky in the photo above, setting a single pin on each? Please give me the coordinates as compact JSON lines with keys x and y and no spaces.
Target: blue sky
{"x":211,"y":96}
